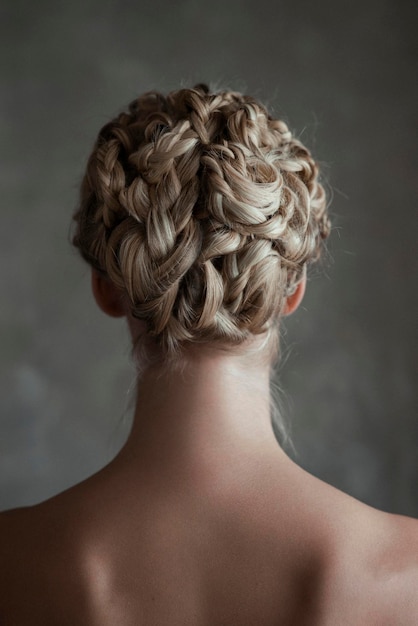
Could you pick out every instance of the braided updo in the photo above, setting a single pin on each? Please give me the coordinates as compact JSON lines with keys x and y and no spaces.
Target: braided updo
{"x":204,"y":210}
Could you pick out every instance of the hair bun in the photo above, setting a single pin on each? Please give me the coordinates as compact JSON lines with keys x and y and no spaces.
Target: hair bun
{"x":205,"y":210}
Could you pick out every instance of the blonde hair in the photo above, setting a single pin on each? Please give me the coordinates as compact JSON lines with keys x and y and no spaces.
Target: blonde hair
{"x":205,"y":211}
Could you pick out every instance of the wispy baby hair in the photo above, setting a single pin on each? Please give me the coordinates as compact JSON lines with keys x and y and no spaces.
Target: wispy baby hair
{"x":204,"y":210}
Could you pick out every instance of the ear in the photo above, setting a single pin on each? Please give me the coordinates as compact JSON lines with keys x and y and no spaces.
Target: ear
{"x":293,"y":301}
{"x":108,"y":297}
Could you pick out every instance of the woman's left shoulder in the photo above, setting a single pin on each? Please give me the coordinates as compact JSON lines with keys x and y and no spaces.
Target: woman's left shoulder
{"x":15,"y":529}
{"x":38,"y":551}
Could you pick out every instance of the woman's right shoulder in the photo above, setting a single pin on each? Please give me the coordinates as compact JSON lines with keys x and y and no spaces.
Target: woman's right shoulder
{"x":396,"y":571}
{"x":370,"y":574}
{"x":402,"y":573}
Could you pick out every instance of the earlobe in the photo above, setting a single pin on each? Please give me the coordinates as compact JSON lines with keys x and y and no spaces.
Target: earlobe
{"x":108,"y":297}
{"x":294,"y":300}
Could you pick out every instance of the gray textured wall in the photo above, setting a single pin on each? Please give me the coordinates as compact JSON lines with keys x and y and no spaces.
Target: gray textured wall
{"x":345,"y":75}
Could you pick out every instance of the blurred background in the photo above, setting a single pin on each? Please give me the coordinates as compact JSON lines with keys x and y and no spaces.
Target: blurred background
{"x":344,"y":76}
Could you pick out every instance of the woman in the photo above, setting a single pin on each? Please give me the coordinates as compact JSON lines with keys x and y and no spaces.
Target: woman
{"x":199,"y":215}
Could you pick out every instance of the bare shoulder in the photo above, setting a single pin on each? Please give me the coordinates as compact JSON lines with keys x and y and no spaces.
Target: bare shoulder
{"x":36,"y":553}
{"x":371,"y":573}
{"x":404,"y":531}
{"x":26,"y":529}
{"x":400,"y":567}
{"x":14,"y":526}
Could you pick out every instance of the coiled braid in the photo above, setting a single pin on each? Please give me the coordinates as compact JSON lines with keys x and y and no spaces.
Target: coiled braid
{"x":204,"y":210}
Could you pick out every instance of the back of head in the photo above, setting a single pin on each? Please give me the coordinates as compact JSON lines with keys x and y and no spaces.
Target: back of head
{"x":205,"y":211}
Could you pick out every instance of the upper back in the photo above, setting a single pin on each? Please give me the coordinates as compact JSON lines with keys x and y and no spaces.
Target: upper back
{"x":173,"y":569}
{"x":84,"y":558}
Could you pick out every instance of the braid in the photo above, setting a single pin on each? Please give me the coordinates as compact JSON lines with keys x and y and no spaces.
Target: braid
{"x":204,"y":210}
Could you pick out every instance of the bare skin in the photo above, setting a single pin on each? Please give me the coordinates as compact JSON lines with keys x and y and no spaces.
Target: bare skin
{"x":203,"y":520}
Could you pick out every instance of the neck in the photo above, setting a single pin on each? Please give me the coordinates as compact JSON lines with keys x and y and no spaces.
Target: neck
{"x":214,"y":412}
